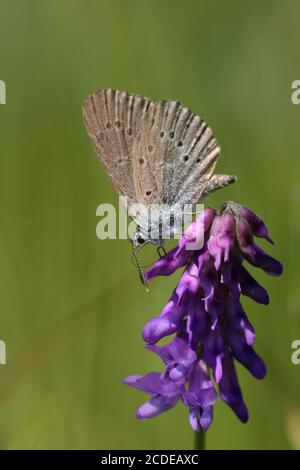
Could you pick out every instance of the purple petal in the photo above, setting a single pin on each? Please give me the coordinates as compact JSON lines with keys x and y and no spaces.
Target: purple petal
{"x":199,"y":397}
{"x":250,"y":287}
{"x":257,"y":225}
{"x":213,"y":247}
{"x":213,"y":351}
{"x":194,"y":419}
{"x":181,"y":352}
{"x":166,"y":324}
{"x":237,"y":321}
{"x":208,"y":278}
{"x":156,"y":405}
{"x":200,"y":418}
{"x":189,"y":282}
{"x":159,"y":327}
{"x":193,"y":237}
{"x":230,"y":391}
{"x":229,"y":278}
{"x":226,"y":237}
{"x":197,"y":321}
{"x":218,"y":369}
{"x":150,"y":383}
{"x":214,"y":307}
{"x":162,"y":352}
{"x":178,"y":373}
{"x":168,"y":264}
{"x":206,"y":417}
{"x":258,"y":258}
{"x":246,"y":355}
{"x":199,"y":378}
{"x":202,"y":398}
{"x":132,"y":380}
{"x":179,"y":358}
{"x":243,"y":234}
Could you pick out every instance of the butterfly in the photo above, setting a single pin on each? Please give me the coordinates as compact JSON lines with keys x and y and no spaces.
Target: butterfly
{"x":156,"y":153}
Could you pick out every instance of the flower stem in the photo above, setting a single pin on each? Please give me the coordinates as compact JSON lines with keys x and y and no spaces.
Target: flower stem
{"x":199,"y":440}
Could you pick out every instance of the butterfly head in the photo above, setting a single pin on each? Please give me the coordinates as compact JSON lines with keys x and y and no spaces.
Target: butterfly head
{"x":139,"y":240}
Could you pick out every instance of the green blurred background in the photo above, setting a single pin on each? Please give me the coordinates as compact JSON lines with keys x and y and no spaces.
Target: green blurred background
{"x":71,"y":306}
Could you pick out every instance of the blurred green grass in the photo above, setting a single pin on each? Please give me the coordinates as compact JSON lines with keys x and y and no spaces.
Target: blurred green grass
{"x":71,"y":307}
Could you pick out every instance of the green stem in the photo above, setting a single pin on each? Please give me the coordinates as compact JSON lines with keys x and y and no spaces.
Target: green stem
{"x":199,"y":440}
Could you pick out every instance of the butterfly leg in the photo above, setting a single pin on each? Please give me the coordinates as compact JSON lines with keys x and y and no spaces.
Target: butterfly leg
{"x":216,"y":182}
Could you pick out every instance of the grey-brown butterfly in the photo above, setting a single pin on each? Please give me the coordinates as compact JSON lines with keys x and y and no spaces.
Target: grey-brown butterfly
{"x":155,"y":153}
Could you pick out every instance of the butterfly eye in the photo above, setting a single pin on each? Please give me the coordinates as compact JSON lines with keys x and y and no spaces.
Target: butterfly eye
{"x":140,"y":240}
{"x":185,"y":158}
{"x":162,"y":134}
{"x":180,"y":143}
{"x":171,"y":135}
{"x":148,"y":193}
{"x":141,"y":161}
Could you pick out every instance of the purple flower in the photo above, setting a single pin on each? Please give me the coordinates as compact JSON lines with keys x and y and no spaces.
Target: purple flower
{"x":165,"y":392}
{"x":206,"y":315}
{"x":200,"y":397}
{"x":179,"y":359}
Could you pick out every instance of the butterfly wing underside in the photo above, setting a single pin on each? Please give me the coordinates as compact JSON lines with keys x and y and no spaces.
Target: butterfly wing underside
{"x":111,"y":118}
{"x":154,"y":152}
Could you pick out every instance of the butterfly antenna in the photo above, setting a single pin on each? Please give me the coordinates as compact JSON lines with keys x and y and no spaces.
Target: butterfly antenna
{"x":138,"y":265}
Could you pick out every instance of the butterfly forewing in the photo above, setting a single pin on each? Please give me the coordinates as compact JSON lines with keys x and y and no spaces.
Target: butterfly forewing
{"x":181,"y":151}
